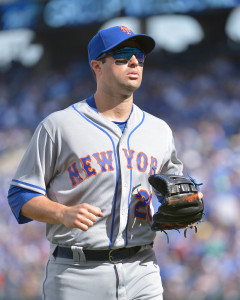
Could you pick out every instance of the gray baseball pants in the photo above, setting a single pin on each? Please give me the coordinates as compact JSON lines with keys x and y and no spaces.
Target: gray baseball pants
{"x":136,"y":278}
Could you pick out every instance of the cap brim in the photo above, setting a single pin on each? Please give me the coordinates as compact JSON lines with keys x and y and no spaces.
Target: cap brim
{"x":146,"y":43}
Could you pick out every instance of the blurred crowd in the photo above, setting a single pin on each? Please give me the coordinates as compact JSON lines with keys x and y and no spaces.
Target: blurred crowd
{"x":201,"y":103}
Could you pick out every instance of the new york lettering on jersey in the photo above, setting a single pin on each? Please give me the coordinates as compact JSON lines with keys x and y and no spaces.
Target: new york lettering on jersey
{"x":142,"y":162}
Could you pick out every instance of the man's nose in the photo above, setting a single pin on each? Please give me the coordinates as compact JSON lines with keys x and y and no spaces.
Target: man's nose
{"x":133,"y":60}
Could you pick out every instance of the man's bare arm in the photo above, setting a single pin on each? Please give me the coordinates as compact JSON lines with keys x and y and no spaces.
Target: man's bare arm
{"x":80,"y":216}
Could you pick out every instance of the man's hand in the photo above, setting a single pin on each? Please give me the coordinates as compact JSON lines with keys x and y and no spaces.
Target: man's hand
{"x":80,"y":216}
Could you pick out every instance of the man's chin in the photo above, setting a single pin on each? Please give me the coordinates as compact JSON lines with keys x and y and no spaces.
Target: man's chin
{"x":133,"y":85}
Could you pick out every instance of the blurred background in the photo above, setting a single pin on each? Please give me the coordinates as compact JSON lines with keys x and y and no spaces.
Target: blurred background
{"x":191,"y":80}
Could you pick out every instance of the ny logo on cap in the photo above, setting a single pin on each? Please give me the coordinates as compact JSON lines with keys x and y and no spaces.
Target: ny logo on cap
{"x":125,"y":29}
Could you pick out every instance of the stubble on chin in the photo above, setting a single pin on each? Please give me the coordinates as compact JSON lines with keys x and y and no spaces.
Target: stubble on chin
{"x":132,"y":84}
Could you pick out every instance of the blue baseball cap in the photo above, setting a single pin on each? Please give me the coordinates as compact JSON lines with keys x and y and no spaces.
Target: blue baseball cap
{"x":107,"y":39}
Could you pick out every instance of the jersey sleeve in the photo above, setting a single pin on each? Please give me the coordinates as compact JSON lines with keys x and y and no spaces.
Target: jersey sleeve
{"x":172,"y":164}
{"x":37,"y":166}
{"x":17,"y":196}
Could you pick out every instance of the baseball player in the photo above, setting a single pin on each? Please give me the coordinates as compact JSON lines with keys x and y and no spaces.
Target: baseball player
{"x":85,"y":174}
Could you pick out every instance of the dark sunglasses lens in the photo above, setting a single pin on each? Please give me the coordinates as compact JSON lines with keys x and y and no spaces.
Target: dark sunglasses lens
{"x":125,"y":56}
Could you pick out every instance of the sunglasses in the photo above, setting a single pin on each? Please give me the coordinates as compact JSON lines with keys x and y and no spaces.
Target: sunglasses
{"x":123,"y":55}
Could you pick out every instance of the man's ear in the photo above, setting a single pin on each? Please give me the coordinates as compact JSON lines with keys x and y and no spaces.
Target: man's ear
{"x":96,"y":66}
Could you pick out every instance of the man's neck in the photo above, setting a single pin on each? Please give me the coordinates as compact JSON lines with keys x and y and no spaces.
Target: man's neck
{"x":117,"y":108}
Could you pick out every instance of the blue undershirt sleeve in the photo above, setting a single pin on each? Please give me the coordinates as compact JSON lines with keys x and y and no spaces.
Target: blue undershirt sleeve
{"x":17,"y":196}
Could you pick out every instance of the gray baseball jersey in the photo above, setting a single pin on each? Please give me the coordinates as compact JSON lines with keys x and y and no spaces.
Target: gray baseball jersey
{"x":77,"y":156}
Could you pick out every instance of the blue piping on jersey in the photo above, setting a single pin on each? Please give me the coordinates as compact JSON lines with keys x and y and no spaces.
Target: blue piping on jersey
{"x":28,"y":184}
{"x":130,"y":189}
{"x":117,"y":171}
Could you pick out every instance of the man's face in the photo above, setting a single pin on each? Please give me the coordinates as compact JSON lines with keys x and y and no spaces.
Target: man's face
{"x":119,"y":75}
